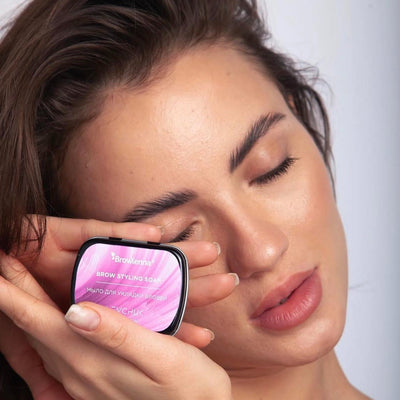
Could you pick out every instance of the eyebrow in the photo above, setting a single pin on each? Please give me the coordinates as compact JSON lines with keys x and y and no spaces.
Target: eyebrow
{"x":259,"y":129}
{"x":170,"y":200}
{"x":149,"y":209}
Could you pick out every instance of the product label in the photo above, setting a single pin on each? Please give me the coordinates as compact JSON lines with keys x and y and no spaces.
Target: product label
{"x":143,"y":284}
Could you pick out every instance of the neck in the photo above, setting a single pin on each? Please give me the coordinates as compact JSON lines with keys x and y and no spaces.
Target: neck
{"x":322,"y":379}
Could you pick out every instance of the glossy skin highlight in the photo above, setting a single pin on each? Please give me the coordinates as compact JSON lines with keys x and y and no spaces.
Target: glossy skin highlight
{"x":178,"y":134}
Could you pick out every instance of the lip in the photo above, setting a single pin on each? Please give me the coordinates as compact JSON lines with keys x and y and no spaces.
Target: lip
{"x":304,"y":291}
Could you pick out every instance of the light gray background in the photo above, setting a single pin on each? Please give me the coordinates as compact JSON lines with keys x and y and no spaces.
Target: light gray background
{"x":356,"y":46}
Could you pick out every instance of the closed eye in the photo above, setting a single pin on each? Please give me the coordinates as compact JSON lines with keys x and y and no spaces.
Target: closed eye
{"x":280,"y":170}
{"x":275,"y":173}
{"x":185,"y":235}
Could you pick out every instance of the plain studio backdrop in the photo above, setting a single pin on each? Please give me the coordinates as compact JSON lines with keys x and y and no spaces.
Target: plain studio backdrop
{"x":355,"y":44}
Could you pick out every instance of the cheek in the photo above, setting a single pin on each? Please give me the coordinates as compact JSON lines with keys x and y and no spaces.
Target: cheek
{"x":322,"y":224}
{"x":316,"y":233}
{"x":305,"y":208}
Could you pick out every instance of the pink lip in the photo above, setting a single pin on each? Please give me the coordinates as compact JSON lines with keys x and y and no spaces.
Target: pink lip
{"x":304,"y":291}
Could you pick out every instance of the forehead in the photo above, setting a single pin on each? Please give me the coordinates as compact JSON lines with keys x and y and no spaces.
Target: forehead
{"x":181,"y":127}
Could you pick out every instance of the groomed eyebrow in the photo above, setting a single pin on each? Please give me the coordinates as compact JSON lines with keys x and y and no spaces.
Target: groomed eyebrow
{"x":170,"y":200}
{"x":151,"y":208}
{"x":259,"y":129}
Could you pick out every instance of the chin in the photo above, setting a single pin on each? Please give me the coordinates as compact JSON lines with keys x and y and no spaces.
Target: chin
{"x":300,"y":346}
{"x":310,"y":343}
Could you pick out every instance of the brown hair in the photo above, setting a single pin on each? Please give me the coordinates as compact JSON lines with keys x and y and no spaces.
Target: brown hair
{"x":59,"y":58}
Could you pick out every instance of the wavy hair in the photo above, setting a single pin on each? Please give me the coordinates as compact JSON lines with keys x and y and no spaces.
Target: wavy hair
{"x":58,"y":60}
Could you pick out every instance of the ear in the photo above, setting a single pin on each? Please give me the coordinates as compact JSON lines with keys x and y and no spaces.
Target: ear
{"x":291,"y":104}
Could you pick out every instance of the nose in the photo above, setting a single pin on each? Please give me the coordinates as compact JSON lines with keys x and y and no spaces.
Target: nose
{"x":255,"y":245}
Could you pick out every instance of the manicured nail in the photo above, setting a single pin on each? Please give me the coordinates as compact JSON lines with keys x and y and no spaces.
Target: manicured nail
{"x":216,"y":244}
{"x":211,"y":333}
{"x":162,"y":229}
{"x":236,"y":277}
{"x":82,"y":317}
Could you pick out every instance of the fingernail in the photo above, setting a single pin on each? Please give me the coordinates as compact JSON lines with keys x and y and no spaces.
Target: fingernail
{"x":161,"y":228}
{"x":82,"y":317}
{"x":216,"y":244}
{"x":236,"y":277}
{"x":211,"y":333}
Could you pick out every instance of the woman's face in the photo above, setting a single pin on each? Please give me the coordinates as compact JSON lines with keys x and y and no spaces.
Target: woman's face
{"x":205,"y":135}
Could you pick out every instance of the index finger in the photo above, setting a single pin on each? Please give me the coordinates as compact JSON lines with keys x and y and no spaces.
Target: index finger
{"x":69,"y":234}
{"x":199,"y":253}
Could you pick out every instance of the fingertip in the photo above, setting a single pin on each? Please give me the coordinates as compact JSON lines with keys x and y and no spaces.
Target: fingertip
{"x":213,"y":249}
{"x":195,"y":335}
{"x":161,"y":228}
{"x":82,"y":317}
{"x":210,"y":334}
{"x":206,"y":337}
{"x":235,"y":278}
{"x":156,"y":231}
{"x":218,"y":247}
{"x":147,"y":232}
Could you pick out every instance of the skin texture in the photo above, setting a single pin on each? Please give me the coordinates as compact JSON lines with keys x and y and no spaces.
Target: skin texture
{"x":62,"y":359}
{"x":178,"y":134}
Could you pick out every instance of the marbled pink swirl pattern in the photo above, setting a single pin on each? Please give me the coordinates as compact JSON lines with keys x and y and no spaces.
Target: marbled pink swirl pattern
{"x":149,"y":295}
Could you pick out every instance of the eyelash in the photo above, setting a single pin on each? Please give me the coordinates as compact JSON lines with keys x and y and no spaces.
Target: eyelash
{"x":184,"y":235}
{"x":261,"y":180}
{"x":280,"y":170}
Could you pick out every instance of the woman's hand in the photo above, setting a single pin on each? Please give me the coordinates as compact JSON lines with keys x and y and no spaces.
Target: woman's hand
{"x":91,"y":368}
{"x":64,"y":236}
{"x":52,"y":267}
{"x":106,"y":355}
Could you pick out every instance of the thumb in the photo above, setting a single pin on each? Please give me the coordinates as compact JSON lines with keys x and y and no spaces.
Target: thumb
{"x":126,"y":339}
